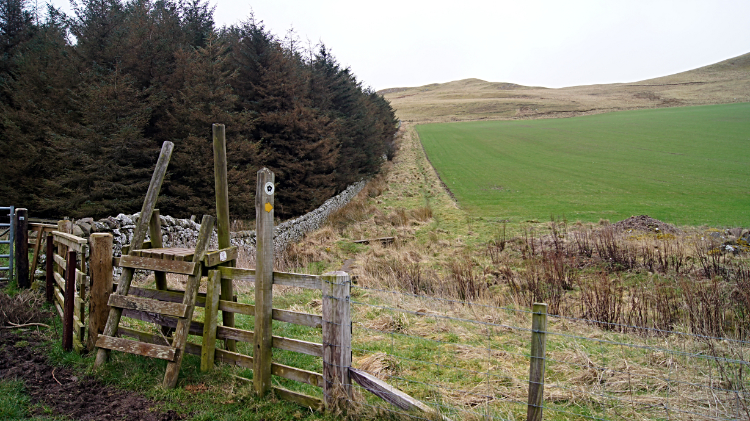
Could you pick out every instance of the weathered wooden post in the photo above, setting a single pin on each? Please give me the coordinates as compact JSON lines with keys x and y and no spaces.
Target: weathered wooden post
{"x":337,"y":338}
{"x":208,"y":350}
{"x":139,"y":234}
{"x":263,"y":281}
{"x":70,"y":293}
{"x":536,"y":366}
{"x":50,"y":268}
{"x":100,"y":264}
{"x":154,"y":231}
{"x":22,"y":248}
{"x":222,"y":219}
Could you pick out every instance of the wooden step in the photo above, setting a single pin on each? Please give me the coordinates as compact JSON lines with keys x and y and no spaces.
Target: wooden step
{"x":148,"y":263}
{"x":162,"y":352}
{"x":148,"y":305}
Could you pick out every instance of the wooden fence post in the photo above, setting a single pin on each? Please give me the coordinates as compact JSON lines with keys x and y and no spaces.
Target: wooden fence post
{"x":22,"y":248}
{"x":337,"y":338}
{"x":50,"y":268}
{"x":263,"y":281}
{"x":100,"y":264}
{"x":536,"y":366}
{"x":70,"y":289}
{"x":208,"y":350}
{"x":222,"y":219}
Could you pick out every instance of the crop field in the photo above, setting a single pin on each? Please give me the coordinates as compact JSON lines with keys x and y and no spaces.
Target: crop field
{"x":686,"y":166}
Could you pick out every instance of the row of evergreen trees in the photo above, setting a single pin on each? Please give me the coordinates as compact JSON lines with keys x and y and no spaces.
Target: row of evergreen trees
{"x":87,"y":100}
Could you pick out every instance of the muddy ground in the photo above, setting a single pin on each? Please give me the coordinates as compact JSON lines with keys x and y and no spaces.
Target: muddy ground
{"x":58,"y":390}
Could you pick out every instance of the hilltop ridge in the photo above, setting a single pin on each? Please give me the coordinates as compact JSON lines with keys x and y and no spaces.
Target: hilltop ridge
{"x":474,"y":99}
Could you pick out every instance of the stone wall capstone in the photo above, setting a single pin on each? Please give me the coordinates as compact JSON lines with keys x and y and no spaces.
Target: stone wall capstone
{"x":184,"y":232}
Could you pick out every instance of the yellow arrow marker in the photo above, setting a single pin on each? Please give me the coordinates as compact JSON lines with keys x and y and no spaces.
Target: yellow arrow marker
{"x":269,"y":208}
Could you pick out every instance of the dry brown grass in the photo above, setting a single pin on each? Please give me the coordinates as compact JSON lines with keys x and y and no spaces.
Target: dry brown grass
{"x":474,"y":99}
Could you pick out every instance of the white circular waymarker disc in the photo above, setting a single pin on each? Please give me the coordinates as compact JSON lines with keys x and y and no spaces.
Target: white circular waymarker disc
{"x":269,"y":188}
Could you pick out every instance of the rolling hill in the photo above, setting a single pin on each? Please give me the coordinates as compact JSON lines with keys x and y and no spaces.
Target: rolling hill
{"x":474,"y":99}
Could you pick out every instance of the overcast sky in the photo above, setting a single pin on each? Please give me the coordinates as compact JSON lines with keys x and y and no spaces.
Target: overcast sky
{"x":552,"y":43}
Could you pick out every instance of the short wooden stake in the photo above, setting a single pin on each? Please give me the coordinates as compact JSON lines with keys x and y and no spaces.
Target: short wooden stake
{"x":100,"y":264}
{"x":536,"y":366}
{"x":208,"y":350}
{"x":222,"y":219}
{"x":70,"y":293}
{"x":22,"y":248}
{"x":50,"y":268}
{"x":337,"y":339}
{"x":263,"y":281}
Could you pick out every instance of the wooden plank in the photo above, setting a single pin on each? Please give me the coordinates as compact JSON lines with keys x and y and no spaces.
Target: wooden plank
{"x":60,"y":311}
{"x":213,"y":289}
{"x":237,"y":274}
{"x":100,"y":263}
{"x":148,"y":305}
{"x":68,"y":242}
{"x":296,"y":345}
{"x":142,"y":336}
{"x":234,"y":358}
{"x":337,"y":338}
{"x":59,"y":280}
{"x":161,"y":352}
{"x":299,"y":280}
{"x":171,"y":296}
{"x":62,"y":236}
{"x":196,"y":328}
{"x":387,"y":392}
{"x":297,"y":374}
{"x":60,"y":301}
{"x":297,"y":318}
{"x":148,"y":263}
{"x":60,"y":262}
{"x":298,"y":398}
{"x":232,"y":333}
{"x":382,"y":240}
{"x":217,"y":257}
{"x":235,"y":307}
{"x":264,"y":204}
{"x":191,"y":290}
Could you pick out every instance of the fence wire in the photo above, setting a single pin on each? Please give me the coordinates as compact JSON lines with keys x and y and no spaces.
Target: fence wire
{"x":471,"y":361}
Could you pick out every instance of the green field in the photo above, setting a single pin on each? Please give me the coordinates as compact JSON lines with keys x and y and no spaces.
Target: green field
{"x":686,"y":166}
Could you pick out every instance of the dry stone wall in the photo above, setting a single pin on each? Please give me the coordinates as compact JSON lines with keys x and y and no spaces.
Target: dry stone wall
{"x":184,"y":232}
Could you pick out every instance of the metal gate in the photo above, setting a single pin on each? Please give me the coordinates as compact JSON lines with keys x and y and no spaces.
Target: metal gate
{"x":9,"y":230}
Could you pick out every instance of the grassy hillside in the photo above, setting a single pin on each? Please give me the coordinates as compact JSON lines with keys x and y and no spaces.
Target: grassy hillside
{"x":683,"y":165}
{"x":474,"y":99}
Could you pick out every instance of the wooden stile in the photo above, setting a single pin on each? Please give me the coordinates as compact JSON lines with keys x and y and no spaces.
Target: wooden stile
{"x":161,"y":265}
{"x":139,"y":234}
{"x":154,"y":231}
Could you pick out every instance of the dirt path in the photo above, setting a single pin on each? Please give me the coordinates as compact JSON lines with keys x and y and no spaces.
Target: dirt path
{"x":59,"y":391}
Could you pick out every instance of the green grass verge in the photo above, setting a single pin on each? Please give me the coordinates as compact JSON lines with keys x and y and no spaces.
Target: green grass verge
{"x":686,"y":166}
